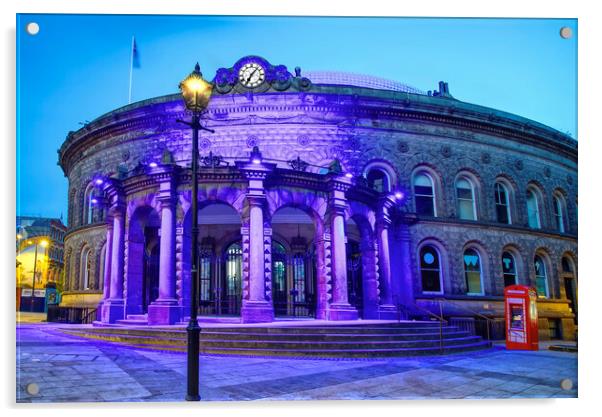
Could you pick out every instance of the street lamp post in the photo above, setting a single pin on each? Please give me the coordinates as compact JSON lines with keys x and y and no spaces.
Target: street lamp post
{"x":196,"y":93}
{"x":44,"y":243}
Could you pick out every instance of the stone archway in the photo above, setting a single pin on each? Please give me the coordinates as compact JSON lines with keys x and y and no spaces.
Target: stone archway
{"x":142,"y":267}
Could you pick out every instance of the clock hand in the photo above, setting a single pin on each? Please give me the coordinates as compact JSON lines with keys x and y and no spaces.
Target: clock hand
{"x":251,"y":75}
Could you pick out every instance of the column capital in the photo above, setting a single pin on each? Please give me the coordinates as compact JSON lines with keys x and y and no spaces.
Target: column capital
{"x":338,"y":183}
{"x":257,"y":172}
{"x":166,"y":199}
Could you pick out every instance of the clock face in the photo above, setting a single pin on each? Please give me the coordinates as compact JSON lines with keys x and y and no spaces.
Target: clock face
{"x":251,"y":75}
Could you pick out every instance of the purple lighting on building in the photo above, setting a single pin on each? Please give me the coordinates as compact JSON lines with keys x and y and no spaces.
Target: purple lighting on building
{"x":398,"y":195}
{"x":94,"y":201}
{"x":349,"y":175}
{"x":256,"y":161}
{"x":153,"y":165}
{"x":99,"y":181}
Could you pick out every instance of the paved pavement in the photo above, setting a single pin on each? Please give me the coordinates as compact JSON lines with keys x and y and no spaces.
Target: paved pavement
{"x":65,"y":368}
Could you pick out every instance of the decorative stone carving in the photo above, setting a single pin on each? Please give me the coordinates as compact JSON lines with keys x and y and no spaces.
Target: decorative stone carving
{"x":519,"y":164}
{"x":403,"y":147}
{"x":303,"y":140}
{"x":486,"y":157}
{"x":252,"y":141}
{"x":446,"y":151}
{"x":204,"y":143}
{"x":547,"y":172}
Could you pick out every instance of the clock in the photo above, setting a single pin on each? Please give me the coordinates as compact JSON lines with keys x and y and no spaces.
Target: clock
{"x":251,"y":75}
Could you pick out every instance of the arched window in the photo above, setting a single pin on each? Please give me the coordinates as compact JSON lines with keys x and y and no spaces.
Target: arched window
{"x":86,"y":268}
{"x":559,"y":213}
{"x":502,"y":203}
{"x":424,"y":195}
{"x":430,"y":269}
{"x":101,"y":268}
{"x":567,"y":266}
{"x":533,"y":209}
{"x":472,"y":272}
{"x":90,"y":205}
{"x":378,"y":180}
{"x":466,"y":200}
{"x":509,"y":269}
{"x":541,"y":277}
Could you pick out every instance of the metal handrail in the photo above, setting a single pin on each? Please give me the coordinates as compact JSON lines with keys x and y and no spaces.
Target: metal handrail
{"x":430,"y":313}
{"x":85,"y":319}
{"x":476,"y":313}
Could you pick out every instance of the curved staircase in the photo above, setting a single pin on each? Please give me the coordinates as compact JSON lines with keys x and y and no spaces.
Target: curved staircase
{"x":409,"y":338}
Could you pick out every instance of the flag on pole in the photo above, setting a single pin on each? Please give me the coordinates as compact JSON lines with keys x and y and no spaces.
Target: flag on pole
{"x":135,"y":54}
{"x":134,"y":63}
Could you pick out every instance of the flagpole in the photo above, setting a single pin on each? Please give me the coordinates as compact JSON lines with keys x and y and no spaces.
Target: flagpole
{"x":131,"y":70}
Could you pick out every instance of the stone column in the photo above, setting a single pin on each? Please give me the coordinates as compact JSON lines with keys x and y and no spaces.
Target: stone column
{"x":165,"y":309}
{"x":257,"y":304}
{"x":339,"y":309}
{"x":387,"y":309}
{"x":113,"y":308}
{"x":406,"y":294}
{"x":369,"y":277}
{"x":106,"y":290}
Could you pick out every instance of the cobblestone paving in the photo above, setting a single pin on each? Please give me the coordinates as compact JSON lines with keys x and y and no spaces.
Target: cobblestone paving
{"x":67,"y":368}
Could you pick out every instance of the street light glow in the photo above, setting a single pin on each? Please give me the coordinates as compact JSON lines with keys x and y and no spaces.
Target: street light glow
{"x":196,"y":91}
{"x":44,"y":243}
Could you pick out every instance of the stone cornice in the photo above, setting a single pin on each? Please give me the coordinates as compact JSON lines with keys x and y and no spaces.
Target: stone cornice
{"x":482,"y":225}
{"x":378,"y":105}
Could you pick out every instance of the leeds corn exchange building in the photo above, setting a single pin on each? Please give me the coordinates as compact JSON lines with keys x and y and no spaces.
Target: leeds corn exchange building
{"x":323,"y":195}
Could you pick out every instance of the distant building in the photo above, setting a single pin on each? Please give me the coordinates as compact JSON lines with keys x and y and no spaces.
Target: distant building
{"x":32,"y":230}
{"x":362,"y":196}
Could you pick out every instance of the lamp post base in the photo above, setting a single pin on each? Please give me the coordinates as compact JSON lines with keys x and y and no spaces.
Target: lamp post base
{"x":193,"y":330}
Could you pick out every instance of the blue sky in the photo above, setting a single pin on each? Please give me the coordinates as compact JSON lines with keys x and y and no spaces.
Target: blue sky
{"x":77,"y":68}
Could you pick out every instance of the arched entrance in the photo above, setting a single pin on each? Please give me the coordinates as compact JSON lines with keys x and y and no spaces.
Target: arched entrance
{"x":150,"y":281}
{"x":230,"y":284}
{"x":220,"y":259}
{"x":293,"y":264}
{"x":142,"y":260}
{"x":354,"y":276}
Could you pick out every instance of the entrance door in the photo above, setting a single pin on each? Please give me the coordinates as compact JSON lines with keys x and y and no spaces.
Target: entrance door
{"x":207,"y":299}
{"x":280,"y":287}
{"x":230,"y":284}
{"x":569,"y":288}
{"x":354,"y":276}
{"x":303,"y":291}
{"x":150,"y":281}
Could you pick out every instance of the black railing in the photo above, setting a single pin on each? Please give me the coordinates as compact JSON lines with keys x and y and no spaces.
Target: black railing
{"x":72,"y":315}
{"x":413,"y":311}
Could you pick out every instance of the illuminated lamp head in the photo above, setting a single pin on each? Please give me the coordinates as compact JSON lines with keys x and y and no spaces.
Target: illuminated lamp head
{"x":153,"y":165}
{"x":196,"y":91}
{"x":256,"y":156}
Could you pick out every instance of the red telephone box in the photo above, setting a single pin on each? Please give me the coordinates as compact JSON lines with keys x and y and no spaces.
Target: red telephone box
{"x":520,"y":305}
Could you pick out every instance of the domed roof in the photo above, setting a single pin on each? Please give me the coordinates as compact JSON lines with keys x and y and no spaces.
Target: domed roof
{"x":358,"y":80}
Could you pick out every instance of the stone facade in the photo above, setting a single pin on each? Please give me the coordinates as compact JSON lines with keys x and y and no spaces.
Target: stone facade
{"x":340,"y":172}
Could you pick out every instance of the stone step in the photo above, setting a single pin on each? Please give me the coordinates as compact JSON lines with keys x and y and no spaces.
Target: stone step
{"x":340,"y":353}
{"x":390,"y":339}
{"x":280,"y":344}
{"x":315,"y":333}
{"x":137,"y":317}
{"x":133,"y":322}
